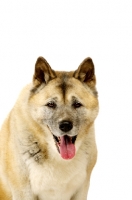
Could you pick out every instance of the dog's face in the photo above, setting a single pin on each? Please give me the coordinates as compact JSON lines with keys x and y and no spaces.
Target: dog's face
{"x":66,"y":102}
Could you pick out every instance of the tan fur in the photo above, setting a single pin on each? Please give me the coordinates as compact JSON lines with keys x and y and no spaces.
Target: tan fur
{"x":31,"y":168}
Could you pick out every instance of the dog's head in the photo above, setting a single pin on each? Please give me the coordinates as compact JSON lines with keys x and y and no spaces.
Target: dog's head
{"x":65,"y":102}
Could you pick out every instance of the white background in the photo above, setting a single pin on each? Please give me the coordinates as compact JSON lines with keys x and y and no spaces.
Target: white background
{"x":65,"y":32}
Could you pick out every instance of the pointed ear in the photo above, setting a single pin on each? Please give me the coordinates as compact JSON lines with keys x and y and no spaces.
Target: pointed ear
{"x":43,"y":72}
{"x":85,"y":72}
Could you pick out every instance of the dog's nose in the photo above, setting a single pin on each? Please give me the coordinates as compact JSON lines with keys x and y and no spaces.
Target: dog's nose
{"x":65,"y":126}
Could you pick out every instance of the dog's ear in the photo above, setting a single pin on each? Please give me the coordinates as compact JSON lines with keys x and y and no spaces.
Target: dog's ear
{"x":85,"y":72}
{"x":43,"y":72}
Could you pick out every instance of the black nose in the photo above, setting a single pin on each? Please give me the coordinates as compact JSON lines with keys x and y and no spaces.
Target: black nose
{"x":65,"y":126}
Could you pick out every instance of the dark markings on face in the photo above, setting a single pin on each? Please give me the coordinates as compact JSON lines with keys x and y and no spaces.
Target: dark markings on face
{"x":95,"y":93}
{"x":64,"y":84}
{"x":34,"y":89}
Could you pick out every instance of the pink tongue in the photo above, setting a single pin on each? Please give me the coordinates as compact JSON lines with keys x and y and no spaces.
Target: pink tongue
{"x":67,"y":148}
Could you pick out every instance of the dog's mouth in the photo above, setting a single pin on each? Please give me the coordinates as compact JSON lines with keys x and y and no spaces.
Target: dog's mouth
{"x":66,"y":146}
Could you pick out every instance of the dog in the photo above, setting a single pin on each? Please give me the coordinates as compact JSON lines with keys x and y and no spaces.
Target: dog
{"x":47,"y":142}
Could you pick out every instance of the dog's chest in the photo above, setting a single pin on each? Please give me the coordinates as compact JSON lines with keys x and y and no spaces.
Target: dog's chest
{"x":57,"y":181}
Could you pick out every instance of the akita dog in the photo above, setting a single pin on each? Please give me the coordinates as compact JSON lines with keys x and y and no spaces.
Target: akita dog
{"x":47,"y":142}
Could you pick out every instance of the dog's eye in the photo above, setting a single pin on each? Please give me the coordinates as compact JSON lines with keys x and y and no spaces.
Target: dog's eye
{"x":51,"y":104}
{"x":77,"y":104}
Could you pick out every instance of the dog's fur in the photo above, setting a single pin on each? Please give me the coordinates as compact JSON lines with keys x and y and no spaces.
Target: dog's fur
{"x":32,"y":165}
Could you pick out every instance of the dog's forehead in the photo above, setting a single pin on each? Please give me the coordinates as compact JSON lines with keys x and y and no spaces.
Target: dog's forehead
{"x":66,"y":88}
{"x":64,"y":84}
{"x":59,"y":87}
